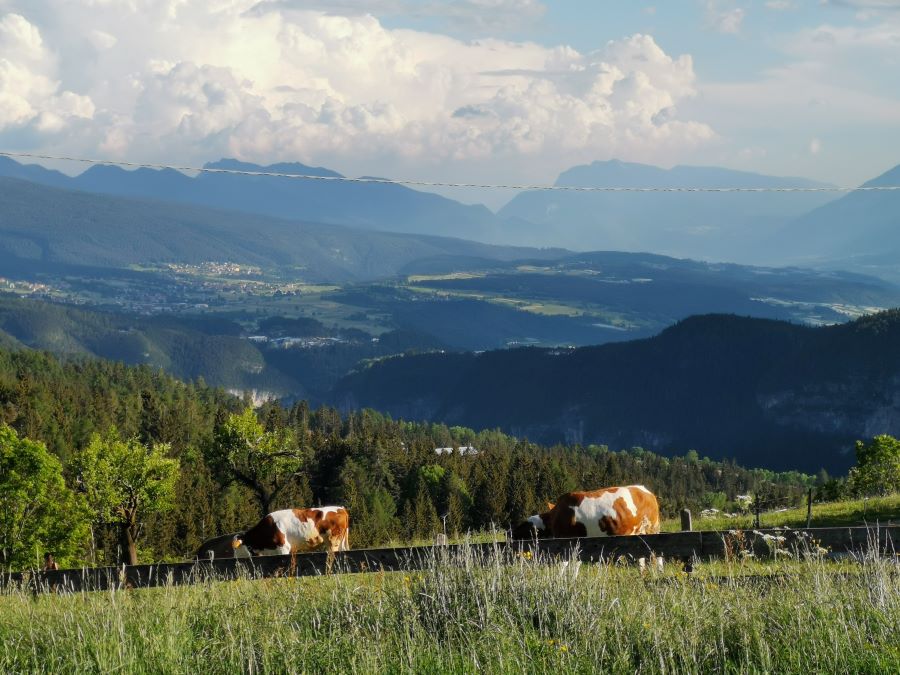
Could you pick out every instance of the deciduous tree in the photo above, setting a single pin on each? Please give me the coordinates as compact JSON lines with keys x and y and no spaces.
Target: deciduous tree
{"x":877,"y":470}
{"x":38,"y":512}
{"x":125,"y":480}
{"x":265,"y":461}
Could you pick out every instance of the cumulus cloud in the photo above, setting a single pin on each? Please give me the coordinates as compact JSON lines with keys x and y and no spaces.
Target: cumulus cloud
{"x":30,"y":97}
{"x":191,"y":80}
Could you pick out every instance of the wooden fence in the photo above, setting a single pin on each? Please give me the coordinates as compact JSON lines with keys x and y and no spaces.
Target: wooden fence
{"x":687,"y":546}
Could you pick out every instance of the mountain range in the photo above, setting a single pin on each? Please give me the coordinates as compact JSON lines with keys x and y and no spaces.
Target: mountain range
{"x":44,"y":225}
{"x":365,"y":206}
{"x":857,"y":231}
{"x":764,"y":392}
{"x":708,"y":225}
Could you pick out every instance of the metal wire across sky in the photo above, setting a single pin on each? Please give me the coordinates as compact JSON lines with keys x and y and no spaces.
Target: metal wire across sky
{"x":444,"y":184}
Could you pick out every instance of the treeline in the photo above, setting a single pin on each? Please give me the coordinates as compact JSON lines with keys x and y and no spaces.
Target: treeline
{"x":234,"y":463}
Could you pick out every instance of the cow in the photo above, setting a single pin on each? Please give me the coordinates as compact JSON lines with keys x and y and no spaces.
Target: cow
{"x":295,"y":530}
{"x":607,"y":512}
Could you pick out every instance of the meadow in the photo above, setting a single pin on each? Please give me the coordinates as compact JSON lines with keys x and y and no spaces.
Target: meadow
{"x":871,"y":510}
{"x":496,"y":612}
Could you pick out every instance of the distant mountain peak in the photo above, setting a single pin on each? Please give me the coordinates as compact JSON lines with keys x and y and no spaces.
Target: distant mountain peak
{"x":888,"y":178}
{"x":295,"y":168}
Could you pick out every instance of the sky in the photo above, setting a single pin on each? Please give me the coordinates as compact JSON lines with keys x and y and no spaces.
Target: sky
{"x":493,"y":91}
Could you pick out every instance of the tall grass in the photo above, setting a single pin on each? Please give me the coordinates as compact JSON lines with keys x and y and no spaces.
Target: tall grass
{"x":492,"y":612}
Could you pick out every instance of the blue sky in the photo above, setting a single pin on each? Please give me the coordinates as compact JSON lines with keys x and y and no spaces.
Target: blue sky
{"x":472,"y":90}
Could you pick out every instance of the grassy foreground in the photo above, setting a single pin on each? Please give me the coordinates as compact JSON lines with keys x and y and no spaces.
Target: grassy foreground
{"x":496,"y":614}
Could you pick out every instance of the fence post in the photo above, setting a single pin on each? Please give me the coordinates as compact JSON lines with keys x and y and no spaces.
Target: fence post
{"x":809,"y":509}
{"x":686,"y":520}
{"x":756,"y":506}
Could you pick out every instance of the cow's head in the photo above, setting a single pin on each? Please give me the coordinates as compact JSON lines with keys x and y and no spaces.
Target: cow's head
{"x":533,"y":528}
{"x":237,"y":545}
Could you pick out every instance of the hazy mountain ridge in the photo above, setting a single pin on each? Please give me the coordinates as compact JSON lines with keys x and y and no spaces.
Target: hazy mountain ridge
{"x":708,"y":225}
{"x":770,"y":392}
{"x":49,"y":224}
{"x":383,"y":207}
{"x":859,"y":231}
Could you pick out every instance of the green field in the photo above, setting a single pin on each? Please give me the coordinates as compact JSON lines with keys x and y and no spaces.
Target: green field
{"x":497,"y":614}
{"x":872,"y":511}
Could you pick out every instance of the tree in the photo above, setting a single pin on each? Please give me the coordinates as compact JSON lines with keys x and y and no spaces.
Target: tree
{"x":371,"y":507}
{"x":125,"y":480}
{"x":264,"y":461}
{"x":457,"y":503}
{"x":877,"y":470}
{"x":38,"y":513}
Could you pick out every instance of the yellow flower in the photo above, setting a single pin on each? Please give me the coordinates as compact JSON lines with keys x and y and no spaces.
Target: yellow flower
{"x":563,"y":648}
{"x":550,"y":642}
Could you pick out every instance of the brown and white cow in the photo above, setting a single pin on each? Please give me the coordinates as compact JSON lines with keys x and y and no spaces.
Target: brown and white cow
{"x":628,"y":510}
{"x":294,"y":531}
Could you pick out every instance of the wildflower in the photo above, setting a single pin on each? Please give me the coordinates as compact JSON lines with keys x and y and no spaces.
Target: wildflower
{"x":551,"y":642}
{"x":563,"y":648}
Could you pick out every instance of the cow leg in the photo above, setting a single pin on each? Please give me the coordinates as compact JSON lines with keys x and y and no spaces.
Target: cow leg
{"x":338,"y":540}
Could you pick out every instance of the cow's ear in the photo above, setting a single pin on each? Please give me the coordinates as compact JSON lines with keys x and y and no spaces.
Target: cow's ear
{"x":550,"y":506}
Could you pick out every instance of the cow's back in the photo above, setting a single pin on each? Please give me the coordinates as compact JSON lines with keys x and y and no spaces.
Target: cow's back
{"x":626,"y":510}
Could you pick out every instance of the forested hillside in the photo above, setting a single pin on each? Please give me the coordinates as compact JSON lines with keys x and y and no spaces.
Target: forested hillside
{"x":47,"y":225}
{"x":386,"y":472}
{"x":769,"y":393}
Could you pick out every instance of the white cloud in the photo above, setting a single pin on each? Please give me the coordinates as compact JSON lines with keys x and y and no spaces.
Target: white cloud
{"x":780,"y":5}
{"x":191,"y":80}
{"x":815,"y":146}
{"x":494,"y":15}
{"x":30,"y":97}
{"x":724,"y":21}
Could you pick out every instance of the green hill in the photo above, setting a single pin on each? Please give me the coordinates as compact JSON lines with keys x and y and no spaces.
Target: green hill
{"x":176,"y":346}
{"x":766,"y":392}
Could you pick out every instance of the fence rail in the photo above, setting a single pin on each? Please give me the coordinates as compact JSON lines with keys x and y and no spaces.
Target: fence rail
{"x":679,"y":545}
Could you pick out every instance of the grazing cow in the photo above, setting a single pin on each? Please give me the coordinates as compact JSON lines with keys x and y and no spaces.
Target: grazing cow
{"x":295,"y":530}
{"x":599,"y":513}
